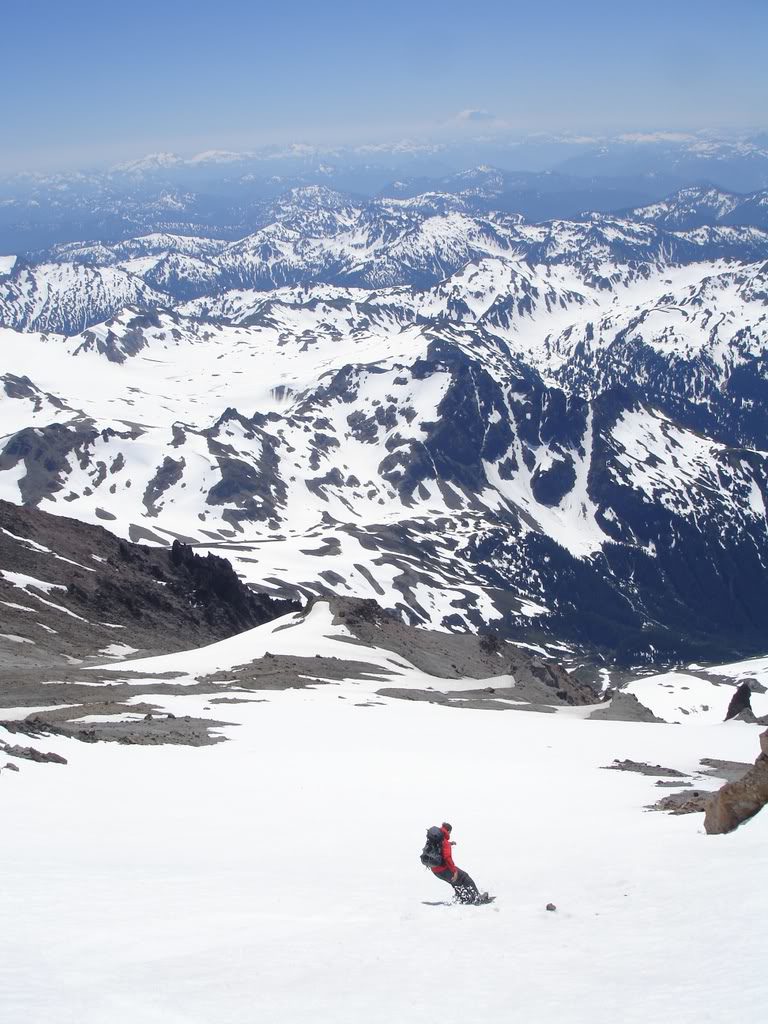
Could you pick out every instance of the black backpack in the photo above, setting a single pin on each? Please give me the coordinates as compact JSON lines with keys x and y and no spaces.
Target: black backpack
{"x":432,"y":854}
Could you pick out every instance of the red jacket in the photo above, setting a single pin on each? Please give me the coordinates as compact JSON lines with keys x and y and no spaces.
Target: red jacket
{"x":447,"y":854}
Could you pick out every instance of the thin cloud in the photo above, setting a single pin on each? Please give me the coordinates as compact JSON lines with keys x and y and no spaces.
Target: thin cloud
{"x":475,"y":115}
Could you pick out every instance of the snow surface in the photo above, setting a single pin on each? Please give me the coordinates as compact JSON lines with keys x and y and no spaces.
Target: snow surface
{"x":118,"y":650}
{"x":275,"y":877}
{"x":674,"y":696}
{"x":752,"y":668}
{"x":23,"y":582}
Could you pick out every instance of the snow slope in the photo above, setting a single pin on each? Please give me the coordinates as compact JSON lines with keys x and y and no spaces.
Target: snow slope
{"x":702,"y":694}
{"x":675,"y":696}
{"x":276,"y":877}
{"x":299,"y":634}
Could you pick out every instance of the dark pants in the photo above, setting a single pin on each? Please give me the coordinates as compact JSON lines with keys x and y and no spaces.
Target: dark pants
{"x":464,"y":888}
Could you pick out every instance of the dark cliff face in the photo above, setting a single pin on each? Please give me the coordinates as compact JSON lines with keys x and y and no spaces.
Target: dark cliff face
{"x":83,"y":589}
{"x":730,"y":405}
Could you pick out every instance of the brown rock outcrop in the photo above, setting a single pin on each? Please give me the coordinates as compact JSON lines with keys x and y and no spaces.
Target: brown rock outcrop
{"x":737,"y":802}
{"x":687,"y":801}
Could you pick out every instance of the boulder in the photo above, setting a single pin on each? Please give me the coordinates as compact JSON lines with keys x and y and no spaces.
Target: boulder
{"x":740,"y":702}
{"x":737,"y":802}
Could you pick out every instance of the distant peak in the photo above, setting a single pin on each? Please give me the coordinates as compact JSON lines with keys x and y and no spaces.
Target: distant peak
{"x":150,"y":162}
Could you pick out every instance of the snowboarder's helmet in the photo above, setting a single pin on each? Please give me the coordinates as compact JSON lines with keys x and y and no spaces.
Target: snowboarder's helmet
{"x":447,"y":827}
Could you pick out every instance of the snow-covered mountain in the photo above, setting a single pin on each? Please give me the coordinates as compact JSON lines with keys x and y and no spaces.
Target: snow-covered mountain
{"x":555,"y":428}
{"x":221,"y":192}
{"x":314,"y":235}
{"x":59,"y":296}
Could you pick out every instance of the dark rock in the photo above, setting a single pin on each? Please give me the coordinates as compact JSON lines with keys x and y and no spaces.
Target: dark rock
{"x":216,"y":587}
{"x":740,"y":702}
{"x":550,"y":485}
{"x":12,"y":767}
{"x":551,"y":906}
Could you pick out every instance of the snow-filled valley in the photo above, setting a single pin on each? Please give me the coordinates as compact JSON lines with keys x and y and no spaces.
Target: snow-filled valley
{"x":276,"y":875}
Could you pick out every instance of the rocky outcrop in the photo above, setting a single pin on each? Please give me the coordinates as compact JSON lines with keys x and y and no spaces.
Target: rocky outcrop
{"x":739,"y":801}
{"x":216,"y":587}
{"x":150,"y":730}
{"x":460,"y":655}
{"x":90,"y":590}
{"x":740,"y":702}
{"x":624,"y":707}
{"x":30,"y":754}
{"x":688,"y":801}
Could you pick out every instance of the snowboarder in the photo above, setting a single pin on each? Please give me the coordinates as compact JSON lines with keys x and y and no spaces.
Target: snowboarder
{"x":439,"y":858}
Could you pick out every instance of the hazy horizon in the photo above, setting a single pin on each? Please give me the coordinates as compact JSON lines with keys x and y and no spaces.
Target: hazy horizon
{"x":95,"y":86}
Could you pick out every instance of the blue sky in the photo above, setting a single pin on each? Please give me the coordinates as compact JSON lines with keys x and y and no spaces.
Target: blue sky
{"x":86,"y":82}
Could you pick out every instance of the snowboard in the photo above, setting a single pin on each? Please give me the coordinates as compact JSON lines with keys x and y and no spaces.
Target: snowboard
{"x":455,"y":903}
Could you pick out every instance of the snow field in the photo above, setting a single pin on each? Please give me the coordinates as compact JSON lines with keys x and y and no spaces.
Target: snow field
{"x":276,"y":876}
{"x":675,"y":696}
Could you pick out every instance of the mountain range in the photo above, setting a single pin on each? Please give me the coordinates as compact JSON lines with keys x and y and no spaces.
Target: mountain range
{"x":556,"y":431}
{"x":230,"y":194}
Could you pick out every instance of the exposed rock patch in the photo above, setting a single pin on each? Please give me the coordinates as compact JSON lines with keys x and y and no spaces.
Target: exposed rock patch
{"x":194,"y":732}
{"x":29,"y":753}
{"x":485,"y":699}
{"x":624,"y":707}
{"x":689,"y":801}
{"x":731,"y":771}
{"x":645,"y":769}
